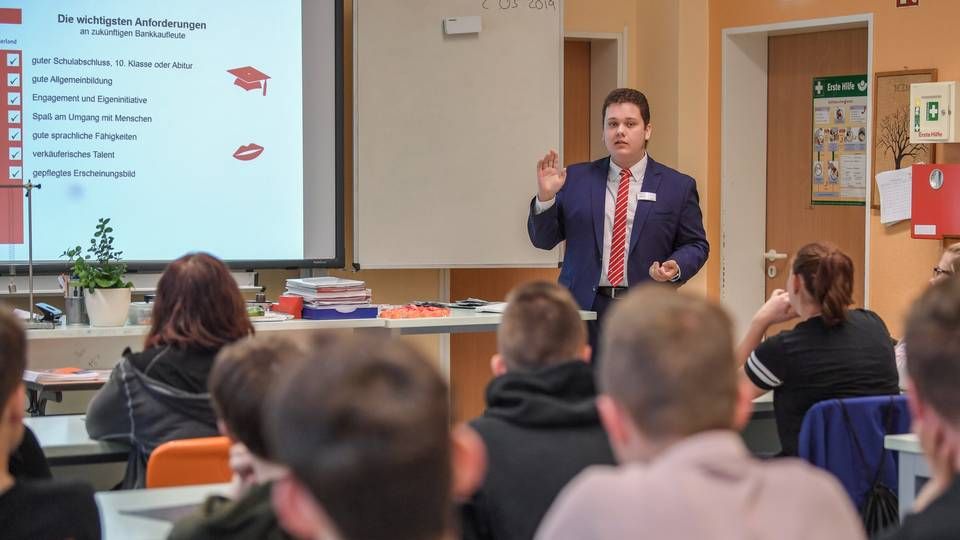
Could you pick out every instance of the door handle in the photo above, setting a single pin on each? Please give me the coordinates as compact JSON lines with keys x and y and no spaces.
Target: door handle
{"x":773,"y":255}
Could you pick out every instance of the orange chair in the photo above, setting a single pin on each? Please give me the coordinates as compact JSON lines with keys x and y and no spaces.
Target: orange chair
{"x":186,"y":462}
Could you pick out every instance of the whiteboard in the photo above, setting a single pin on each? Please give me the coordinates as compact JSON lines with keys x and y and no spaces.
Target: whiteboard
{"x":448,"y":130}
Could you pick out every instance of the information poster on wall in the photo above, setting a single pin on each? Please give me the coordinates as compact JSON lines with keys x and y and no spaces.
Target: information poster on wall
{"x":839,"y":171}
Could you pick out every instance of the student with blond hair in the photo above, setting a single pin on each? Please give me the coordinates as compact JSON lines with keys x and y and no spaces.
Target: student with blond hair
{"x":671,"y":402}
{"x":540,"y":425}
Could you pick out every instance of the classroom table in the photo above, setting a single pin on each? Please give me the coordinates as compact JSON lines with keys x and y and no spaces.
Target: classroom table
{"x":100,"y":347}
{"x":38,"y":393}
{"x":763,"y":406}
{"x":913,"y":468}
{"x":64,"y":441}
{"x":119,"y":510}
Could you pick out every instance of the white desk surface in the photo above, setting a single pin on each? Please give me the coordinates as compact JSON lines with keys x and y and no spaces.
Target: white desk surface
{"x":74,"y":332}
{"x":465,"y":318}
{"x":99,"y":348}
{"x":125,"y":526}
{"x":906,"y":442}
{"x":65,"y":438}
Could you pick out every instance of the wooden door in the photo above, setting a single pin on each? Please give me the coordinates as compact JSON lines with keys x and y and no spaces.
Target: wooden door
{"x":576,"y":102}
{"x":793,"y":62}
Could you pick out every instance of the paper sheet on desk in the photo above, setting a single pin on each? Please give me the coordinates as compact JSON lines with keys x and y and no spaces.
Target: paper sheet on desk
{"x":894,"y":188}
{"x":493,"y":307}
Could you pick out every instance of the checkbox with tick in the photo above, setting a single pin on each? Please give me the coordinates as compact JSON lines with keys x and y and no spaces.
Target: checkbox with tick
{"x":13,"y":59}
{"x":16,"y":153}
{"x":13,"y":98}
{"x":13,"y":117}
{"x":16,"y":173}
{"x":14,"y":134}
{"x":13,"y":79}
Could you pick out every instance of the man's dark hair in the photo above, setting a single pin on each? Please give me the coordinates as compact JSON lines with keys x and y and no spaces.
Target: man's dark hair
{"x":13,"y":353}
{"x":363,"y":424}
{"x":627,"y":95}
{"x":240,"y":380}
{"x":541,"y":326}
{"x":667,"y":357}
{"x":933,"y":347}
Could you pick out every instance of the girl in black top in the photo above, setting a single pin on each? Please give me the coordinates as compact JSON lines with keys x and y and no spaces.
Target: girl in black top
{"x":833,"y":352}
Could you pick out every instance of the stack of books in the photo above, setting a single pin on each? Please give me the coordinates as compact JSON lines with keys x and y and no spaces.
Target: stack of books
{"x":329,"y":291}
{"x":66,"y":375}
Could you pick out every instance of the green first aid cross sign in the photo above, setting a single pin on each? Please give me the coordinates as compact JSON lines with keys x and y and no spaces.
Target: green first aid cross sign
{"x":933,"y":111}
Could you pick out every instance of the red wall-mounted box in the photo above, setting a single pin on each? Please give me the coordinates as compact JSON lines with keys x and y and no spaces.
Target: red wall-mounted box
{"x":935,"y":201}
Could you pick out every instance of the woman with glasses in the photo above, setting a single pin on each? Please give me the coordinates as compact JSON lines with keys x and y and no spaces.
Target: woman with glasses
{"x":948,"y":265}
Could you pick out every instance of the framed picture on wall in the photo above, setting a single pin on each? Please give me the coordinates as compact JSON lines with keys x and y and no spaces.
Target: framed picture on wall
{"x":891,"y":125}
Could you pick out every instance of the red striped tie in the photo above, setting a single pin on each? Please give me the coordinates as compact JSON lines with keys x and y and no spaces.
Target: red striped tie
{"x":618,"y":243}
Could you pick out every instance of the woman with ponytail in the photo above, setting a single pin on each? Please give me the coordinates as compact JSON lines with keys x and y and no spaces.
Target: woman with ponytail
{"x":833,"y":352}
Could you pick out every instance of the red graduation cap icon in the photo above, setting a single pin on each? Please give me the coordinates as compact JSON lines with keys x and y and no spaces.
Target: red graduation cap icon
{"x":249,"y":78}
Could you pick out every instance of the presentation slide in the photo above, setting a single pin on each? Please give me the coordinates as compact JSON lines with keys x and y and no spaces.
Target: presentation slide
{"x":181,"y":121}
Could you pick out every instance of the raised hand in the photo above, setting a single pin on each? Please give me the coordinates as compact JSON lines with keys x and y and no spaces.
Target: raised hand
{"x":550,"y":176}
{"x":777,"y":309}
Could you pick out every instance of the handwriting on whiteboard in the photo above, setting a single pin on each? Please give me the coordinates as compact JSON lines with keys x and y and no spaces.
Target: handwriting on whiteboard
{"x":518,"y":4}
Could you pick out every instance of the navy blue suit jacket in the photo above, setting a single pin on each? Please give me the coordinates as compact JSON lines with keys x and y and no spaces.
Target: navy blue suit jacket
{"x":669,"y":228}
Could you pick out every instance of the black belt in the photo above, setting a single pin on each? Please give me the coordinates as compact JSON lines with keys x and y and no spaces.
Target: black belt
{"x":612,"y":292}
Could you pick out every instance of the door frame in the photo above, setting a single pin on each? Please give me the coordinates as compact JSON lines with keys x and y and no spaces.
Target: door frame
{"x":743,"y":159}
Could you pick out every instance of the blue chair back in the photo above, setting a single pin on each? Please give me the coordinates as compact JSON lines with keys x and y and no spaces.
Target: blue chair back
{"x":825,"y":440}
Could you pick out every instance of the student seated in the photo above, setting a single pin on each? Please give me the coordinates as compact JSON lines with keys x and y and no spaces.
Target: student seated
{"x":363,"y":426}
{"x":833,"y":351}
{"x":239,"y":381}
{"x":933,"y":347}
{"x":671,"y":405}
{"x":540,"y":426}
{"x":31,"y":509}
{"x":160,"y":394}
{"x":948,"y":265}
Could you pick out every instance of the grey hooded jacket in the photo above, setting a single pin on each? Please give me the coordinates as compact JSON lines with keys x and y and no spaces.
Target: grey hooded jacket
{"x":152,"y":397}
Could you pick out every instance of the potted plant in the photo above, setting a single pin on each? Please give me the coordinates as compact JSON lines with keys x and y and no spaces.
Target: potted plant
{"x":107,"y":297}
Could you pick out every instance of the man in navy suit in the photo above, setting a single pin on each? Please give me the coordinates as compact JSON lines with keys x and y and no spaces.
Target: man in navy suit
{"x":626,"y":218}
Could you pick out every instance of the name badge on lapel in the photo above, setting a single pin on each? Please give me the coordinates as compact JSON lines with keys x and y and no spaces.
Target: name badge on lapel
{"x":647,"y":196}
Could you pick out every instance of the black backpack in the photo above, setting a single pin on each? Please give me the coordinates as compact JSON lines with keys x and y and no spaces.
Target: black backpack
{"x":881,"y":509}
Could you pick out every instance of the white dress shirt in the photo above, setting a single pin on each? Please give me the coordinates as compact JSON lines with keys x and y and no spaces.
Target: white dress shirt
{"x":609,"y":206}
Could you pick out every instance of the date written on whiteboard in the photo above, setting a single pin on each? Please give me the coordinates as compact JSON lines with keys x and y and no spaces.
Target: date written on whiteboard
{"x":517,"y":4}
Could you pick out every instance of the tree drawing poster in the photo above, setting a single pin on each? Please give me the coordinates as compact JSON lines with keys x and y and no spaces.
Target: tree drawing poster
{"x":892,"y":117}
{"x":839,"y":167}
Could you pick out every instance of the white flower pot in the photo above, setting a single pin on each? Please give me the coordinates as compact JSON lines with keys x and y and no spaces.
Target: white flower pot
{"x":108,"y":307}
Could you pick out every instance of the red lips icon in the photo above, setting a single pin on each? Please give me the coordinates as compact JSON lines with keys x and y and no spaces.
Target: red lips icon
{"x":248,"y":152}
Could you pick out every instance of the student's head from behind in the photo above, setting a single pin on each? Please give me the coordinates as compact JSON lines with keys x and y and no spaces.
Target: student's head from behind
{"x":541,"y":327}
{"x":933,"y":362}
{"x":241,"y":378}
{"x":667,"y":371}
{"x":821,"y":276}
{"x":626,"y":125}
{"x":198,"y":306}
{"x":363,"y":426}
{"x":948,"y":265}
{"x":13,"y":360}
